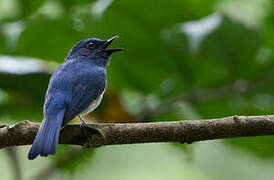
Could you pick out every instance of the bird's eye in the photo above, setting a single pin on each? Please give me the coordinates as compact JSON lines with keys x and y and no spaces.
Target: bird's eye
{"x":90,"y":44}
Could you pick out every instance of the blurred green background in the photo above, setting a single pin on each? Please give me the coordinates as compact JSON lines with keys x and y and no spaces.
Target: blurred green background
{"x":182,"y":59}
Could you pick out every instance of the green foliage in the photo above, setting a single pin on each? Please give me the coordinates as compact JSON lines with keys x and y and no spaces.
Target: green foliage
{"x":259,"y":146}
{"x":28,"y":7}
{"x":69,"y":159}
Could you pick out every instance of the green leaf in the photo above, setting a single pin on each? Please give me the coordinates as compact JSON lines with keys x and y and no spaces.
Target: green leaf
{"x":259,"y":146}
{"x":30,"y":6}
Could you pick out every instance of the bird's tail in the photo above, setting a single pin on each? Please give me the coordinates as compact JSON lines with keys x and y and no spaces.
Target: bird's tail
{"x":47,"y":137}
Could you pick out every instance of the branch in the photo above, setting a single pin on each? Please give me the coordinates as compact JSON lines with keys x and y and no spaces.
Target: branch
{"x":102,"y":134}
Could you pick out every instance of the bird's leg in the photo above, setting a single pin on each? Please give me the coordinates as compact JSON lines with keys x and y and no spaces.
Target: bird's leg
{"x":82,"y":121}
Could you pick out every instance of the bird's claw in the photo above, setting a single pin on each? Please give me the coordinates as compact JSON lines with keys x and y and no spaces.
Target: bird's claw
{"x":95,"y":141}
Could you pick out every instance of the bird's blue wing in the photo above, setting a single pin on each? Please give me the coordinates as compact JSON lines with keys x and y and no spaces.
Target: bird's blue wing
{"x":87,"y":88}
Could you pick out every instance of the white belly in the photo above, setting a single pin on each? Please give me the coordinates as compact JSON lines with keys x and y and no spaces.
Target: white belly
{"x":93,"y":105}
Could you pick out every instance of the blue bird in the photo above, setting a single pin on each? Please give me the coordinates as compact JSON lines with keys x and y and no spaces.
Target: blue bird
{"x":75,"y":89}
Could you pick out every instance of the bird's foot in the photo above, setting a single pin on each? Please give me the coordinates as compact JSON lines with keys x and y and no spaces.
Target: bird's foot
{"x":94,"y":135}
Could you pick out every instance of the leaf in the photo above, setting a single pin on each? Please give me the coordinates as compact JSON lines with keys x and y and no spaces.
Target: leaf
{"x":259,"y":146}
{"x":70,"y":159}
{"x":30,"y":6}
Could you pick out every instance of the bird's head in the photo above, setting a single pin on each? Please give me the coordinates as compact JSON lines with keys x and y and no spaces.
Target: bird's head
{"x":94,"y":49}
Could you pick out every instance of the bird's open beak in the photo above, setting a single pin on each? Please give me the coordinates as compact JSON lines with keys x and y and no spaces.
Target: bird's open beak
{"x":107,"y":44}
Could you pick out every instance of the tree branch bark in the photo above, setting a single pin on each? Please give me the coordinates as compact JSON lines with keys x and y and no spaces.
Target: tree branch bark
{"x":101,"y":134}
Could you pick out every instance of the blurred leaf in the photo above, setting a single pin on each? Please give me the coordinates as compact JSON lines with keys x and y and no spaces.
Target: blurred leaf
{"x":30,"y":6}
{"x":260,"y":146}
{"x":70,"y":3}
{"x":33,"y":84}
{"x":25,"y":95}
{"x":69,"y":159}
{"x":47,"y":39}
{"x":268,"y":31}
{"x":155,"y":14}
{"x":227,"y":54}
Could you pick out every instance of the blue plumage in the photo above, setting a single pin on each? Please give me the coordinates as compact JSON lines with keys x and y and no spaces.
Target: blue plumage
{"x":74,"y":87}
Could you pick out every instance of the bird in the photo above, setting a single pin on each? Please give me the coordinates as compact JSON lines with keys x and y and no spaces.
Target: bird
{"x":75,"y":89}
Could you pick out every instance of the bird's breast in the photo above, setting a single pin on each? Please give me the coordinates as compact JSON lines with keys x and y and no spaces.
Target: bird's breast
{"x":93,"y":105}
